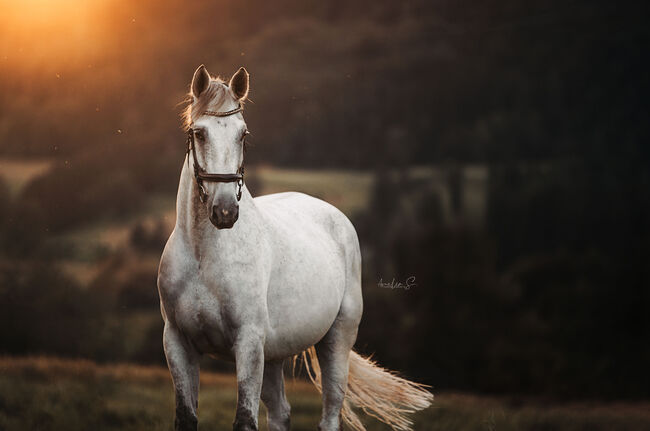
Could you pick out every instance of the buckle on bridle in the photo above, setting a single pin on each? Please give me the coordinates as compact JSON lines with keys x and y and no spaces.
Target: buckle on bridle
{"x":240,"y":183}
{"x":202,"y":193}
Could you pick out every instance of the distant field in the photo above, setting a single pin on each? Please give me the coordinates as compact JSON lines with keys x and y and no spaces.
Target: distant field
{"x":54,"y":394}
{"x":18,"y":173}
{"x":348,"y":190}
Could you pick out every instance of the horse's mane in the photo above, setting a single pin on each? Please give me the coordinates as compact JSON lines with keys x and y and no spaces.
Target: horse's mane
{"x":210,"y":100}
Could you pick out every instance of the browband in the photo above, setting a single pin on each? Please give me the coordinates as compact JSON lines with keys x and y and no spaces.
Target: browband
{"x":225,"y":113}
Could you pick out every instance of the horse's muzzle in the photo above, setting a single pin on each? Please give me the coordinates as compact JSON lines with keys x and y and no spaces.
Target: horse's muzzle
{"x":224,"y":216}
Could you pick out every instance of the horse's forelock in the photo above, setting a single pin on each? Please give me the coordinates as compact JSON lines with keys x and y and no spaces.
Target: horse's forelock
{"x":210,"y":100}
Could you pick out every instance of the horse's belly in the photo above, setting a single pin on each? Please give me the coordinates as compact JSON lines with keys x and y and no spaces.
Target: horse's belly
{"x":299,"y":315}
{"x":302,"y":310}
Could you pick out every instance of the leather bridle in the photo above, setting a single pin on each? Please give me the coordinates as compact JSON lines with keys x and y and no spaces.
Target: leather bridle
{"x":200,"y":174}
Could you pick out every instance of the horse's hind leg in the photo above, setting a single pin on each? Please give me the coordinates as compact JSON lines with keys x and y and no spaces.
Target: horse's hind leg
{"x":333,"y":353}
{"x":273,"y":396}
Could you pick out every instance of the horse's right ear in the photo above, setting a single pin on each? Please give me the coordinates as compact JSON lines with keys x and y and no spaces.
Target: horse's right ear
{"x":200,"y":81}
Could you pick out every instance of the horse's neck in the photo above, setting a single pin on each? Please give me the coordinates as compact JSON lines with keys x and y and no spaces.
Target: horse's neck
{"x":192,"y":218}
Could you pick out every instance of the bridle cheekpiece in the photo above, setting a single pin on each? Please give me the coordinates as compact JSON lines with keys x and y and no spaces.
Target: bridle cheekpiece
{"x":200,"y":174}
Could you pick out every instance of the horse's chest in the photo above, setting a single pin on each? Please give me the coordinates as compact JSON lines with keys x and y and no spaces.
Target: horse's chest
{"x":202,"y":302}
{"x":201,"y":317}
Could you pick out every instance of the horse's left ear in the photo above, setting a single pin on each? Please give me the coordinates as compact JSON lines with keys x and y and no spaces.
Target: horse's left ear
{"x":239,"y":84}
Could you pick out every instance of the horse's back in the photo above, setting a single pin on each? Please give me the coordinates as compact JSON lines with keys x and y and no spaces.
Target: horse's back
{"x":299,"y":211}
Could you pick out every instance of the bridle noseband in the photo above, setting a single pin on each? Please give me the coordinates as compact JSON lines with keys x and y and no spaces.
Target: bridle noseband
{"x":200,"y":174}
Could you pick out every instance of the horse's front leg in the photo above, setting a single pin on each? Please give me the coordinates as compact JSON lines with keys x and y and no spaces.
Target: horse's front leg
{"x":249,"y":360}
{"x":183,"y":362}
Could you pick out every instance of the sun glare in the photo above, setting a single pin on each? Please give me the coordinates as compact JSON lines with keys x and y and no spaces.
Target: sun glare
{"x":48,"y":30}
{"x":44,"y":11}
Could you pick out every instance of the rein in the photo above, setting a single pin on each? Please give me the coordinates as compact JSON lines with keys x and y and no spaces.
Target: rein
{"x":200,"y":174}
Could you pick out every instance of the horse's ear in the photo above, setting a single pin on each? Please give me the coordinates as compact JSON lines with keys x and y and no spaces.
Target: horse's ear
{"x":200,"y":81}
{"x":239,"y":84}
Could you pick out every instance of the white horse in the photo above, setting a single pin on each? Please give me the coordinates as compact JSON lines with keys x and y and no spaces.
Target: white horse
{"x":261,"y":280}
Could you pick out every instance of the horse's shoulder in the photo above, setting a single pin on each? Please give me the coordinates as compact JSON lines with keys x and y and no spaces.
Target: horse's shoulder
{"x":174,"y":263}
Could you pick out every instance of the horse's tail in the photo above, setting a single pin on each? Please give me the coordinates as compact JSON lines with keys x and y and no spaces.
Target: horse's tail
{"x":378,"y":392}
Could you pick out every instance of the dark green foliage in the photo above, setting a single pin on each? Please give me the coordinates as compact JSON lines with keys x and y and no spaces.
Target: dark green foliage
{"x":550,"y":298}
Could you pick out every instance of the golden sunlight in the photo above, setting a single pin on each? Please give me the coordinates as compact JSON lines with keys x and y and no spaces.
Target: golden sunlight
{"x":45,"y":11}
{"x":50,"y":30}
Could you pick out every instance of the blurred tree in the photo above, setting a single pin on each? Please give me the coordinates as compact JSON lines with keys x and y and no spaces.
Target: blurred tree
{"x":550,"y":300}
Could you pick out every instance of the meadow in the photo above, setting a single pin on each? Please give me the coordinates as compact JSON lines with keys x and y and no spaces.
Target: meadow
{"x":40,"y":393}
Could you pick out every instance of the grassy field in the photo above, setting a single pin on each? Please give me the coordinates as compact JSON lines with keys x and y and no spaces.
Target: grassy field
{"x":55,"y":394}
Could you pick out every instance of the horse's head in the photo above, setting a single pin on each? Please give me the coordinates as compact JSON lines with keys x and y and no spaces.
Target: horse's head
{"x":217,"y":131}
